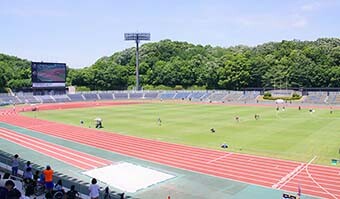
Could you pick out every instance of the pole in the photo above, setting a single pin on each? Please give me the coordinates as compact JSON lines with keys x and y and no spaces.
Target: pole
{"x":137,"y":64}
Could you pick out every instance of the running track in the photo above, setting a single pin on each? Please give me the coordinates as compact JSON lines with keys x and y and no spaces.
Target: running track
{"x":66,"y":155}
{"x":315,"y":180}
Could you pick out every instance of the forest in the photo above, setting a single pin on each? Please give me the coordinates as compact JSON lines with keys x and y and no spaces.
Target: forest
{"x":180,"y":65}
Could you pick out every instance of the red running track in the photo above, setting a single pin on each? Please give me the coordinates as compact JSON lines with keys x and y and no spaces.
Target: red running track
{"x":75,"y":158}
{"x":315,"y":180}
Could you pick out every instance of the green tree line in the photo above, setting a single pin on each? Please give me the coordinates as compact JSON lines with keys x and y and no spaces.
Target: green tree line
{"x":173,"y":64}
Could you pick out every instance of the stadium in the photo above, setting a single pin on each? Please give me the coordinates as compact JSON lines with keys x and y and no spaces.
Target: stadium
{"x":242,"y":101}
{"x":266,"y":156}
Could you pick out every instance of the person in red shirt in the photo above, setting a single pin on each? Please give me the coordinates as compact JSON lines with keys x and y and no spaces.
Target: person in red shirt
{"x":48,"y":173}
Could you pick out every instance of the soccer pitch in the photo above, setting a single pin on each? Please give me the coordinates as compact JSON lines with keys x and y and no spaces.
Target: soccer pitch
{"x":290,"y":134}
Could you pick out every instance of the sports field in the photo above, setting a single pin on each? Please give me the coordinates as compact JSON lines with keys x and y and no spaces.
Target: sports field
{"x":290,"y":134}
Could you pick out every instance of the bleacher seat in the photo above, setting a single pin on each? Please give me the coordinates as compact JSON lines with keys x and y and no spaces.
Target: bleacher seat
{"x":90,"y":96}
{"x":181,"y":95}
{"x":167,"y":96}
{"x":121,"y":95}
{"x":61,"y":98}
{"x":106,"y":96}
{"x":75,"y":97}
{"x":135,"y":95}
{"x":151,"y":95}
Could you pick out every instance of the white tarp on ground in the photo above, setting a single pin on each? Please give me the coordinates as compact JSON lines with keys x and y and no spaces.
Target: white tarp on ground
{"x":279,"y":101}
{"x":128,"y":177}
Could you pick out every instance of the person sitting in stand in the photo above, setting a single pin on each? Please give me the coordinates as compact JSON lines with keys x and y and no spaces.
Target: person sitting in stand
{"x":72,"y":193}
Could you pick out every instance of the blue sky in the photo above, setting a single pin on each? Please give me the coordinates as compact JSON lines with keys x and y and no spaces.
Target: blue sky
{"x":79,"y":32}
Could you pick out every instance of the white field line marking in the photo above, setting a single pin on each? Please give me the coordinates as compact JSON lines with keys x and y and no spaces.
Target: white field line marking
{"x":53,"y":152}
{"x":310,"y":176}
{"x":226,"y":155}
{"x":291,"y":175}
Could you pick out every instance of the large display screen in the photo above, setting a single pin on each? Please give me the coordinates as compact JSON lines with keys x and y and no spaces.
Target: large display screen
{"x":48,"y":72}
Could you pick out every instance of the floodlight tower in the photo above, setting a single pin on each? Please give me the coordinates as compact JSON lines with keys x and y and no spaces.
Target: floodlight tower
{"x":137,"y":37}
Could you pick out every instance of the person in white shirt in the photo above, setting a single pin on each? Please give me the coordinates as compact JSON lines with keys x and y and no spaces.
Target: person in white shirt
{"x":15,"y":165}
{"x":94,"y":189}
{"x":28,"y":170}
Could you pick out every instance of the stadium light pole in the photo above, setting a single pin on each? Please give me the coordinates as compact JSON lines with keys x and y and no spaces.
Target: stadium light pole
{"x":137,"y":37}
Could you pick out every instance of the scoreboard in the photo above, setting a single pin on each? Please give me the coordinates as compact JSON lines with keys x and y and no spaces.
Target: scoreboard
{"x":46,"y":74}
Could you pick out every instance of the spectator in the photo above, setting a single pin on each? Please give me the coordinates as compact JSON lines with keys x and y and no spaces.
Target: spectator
{"x":12,"y":193}
{"x":94,"y":189}
{"x":72,"y":193}
{"x":59,"y":186}
{"x":15,"y":165}
{"x":29,"y":186}
{"x":28,"y":164}
{"x":36,"y":176}
{"x":28,"y":173}
{"x":4,"y":179}
{"x":3,"y":192}
{"x":48,"y":174}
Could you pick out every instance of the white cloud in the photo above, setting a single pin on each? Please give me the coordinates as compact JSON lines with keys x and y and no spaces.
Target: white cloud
{"x":35,"y":13}
{"x":299,"y":23}
{"x":316,"y":5}
{"x":311,"y":6}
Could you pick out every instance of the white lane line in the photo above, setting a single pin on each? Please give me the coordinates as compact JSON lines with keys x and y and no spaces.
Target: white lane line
{"x":214,"y":160}
{"x":310,"y":176}
{"x":39,"y":150}
{"x":46,"y":149}
{"x":283,"y":181}
{"x":53,"y":146}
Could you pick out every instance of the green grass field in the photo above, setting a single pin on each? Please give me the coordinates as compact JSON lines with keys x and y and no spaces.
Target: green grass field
{"x":291,"y":134}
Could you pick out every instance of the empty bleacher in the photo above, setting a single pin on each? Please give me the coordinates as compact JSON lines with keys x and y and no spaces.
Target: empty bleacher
{"x":121,"y":95}
{"x":167,"y":95}
{"x":249,"y":96}
{"x":313,"y":97}
{"x":135,"y":95}
{"x":9,"y":99}
{"x":316,"y":97}
{"x":233,"y":96}
{"x":105,"y":96}
{"x":61,"y":98}
{"x":90,"y":96}
{"x":151,"y":95}
{"x":217,"y":96}
{"x":182,"y":95}
{"x":29,"y":99}
{"x":75,"y":97}
{"x":196,"y":95}
{"x":45,"y":98}
{"x":333,"y":98}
